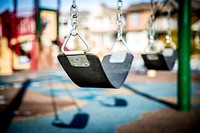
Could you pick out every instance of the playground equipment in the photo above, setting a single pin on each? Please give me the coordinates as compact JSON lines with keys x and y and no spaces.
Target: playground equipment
{"x":153,"y":58}
{"x":24,"y":30}
{"x":85,"y":69}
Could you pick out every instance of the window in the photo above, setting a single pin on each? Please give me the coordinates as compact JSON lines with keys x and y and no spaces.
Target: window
{"x":135,"y":18}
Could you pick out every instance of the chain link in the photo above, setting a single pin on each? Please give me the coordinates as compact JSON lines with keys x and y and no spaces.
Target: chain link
{"x":74,"y":15}
{"x":74,"y":3}
{"x":74,"y":22}
{"x":151,"y":29}
{"x":119,"y":20}
{"x":168,"y":37}
{"x":152,"y":20}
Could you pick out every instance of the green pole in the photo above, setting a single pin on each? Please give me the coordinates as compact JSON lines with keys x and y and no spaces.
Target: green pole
{"x":184,"y":43}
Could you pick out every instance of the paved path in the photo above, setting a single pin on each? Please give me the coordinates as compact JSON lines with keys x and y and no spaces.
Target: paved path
{"x":52,"y":103}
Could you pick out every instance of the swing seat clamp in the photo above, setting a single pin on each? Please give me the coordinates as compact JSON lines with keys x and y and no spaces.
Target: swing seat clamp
{"x":78,"y":60}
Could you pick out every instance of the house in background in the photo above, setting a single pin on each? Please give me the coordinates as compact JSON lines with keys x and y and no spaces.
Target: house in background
{"x":101,"y":26}
{"x":137,"y":19}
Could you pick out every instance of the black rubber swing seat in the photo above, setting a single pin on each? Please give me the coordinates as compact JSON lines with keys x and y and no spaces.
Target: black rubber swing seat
{"x":93,"y":73}
{"x":159,"y":61}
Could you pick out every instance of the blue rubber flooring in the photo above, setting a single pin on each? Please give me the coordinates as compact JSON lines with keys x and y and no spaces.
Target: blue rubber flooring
{"x":103,"y":113}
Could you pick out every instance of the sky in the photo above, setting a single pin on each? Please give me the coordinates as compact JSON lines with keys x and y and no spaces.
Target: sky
{"x":88,"y":5}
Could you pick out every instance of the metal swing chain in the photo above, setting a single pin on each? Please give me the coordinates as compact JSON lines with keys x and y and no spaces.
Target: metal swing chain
{"x":168,"y":36}
{"x":168,"y":18}
{"x":74,"y":22}
{"x":151,"y":31}
{"x":120,"y":26}
{"x":152,"y":26}
{"x":119,"y":20}
{"x":74,"y":3}
{"x":74,"y":17}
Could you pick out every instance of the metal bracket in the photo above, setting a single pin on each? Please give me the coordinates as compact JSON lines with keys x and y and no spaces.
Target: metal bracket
{"x":118,"y":57}
{"x":74,"y":33}
{"x":78,"y":60}
{"x":152,"y":57}
{"x":168,"y":52}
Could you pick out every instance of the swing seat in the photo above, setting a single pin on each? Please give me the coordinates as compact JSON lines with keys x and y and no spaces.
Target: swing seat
{"x":86,"y":70}
{"x":160,"y":61}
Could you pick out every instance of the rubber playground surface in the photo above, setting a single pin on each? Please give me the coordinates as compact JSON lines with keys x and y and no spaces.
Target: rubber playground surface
{"x":49,"y":102}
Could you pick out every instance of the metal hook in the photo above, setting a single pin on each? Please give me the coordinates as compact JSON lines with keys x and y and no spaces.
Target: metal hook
{"x":168,"y":36}
{"x":74,"y":22}
{"x":120,"y":28}
{"x":78,"y":52}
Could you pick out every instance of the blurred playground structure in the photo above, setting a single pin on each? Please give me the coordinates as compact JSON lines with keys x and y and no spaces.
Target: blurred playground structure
{"x":30,"y":39}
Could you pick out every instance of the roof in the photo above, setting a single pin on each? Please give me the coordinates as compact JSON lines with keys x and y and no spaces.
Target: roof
{"x":160,"y":7}
{"x":139,"y":7}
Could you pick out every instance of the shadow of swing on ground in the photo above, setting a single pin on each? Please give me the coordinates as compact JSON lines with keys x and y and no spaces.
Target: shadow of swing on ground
{"x":114,"y":102}
{"x":79,"y":121}
{"x":106,"y":100}
{"x":7,"y":115}
{"x":171,"y":105}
